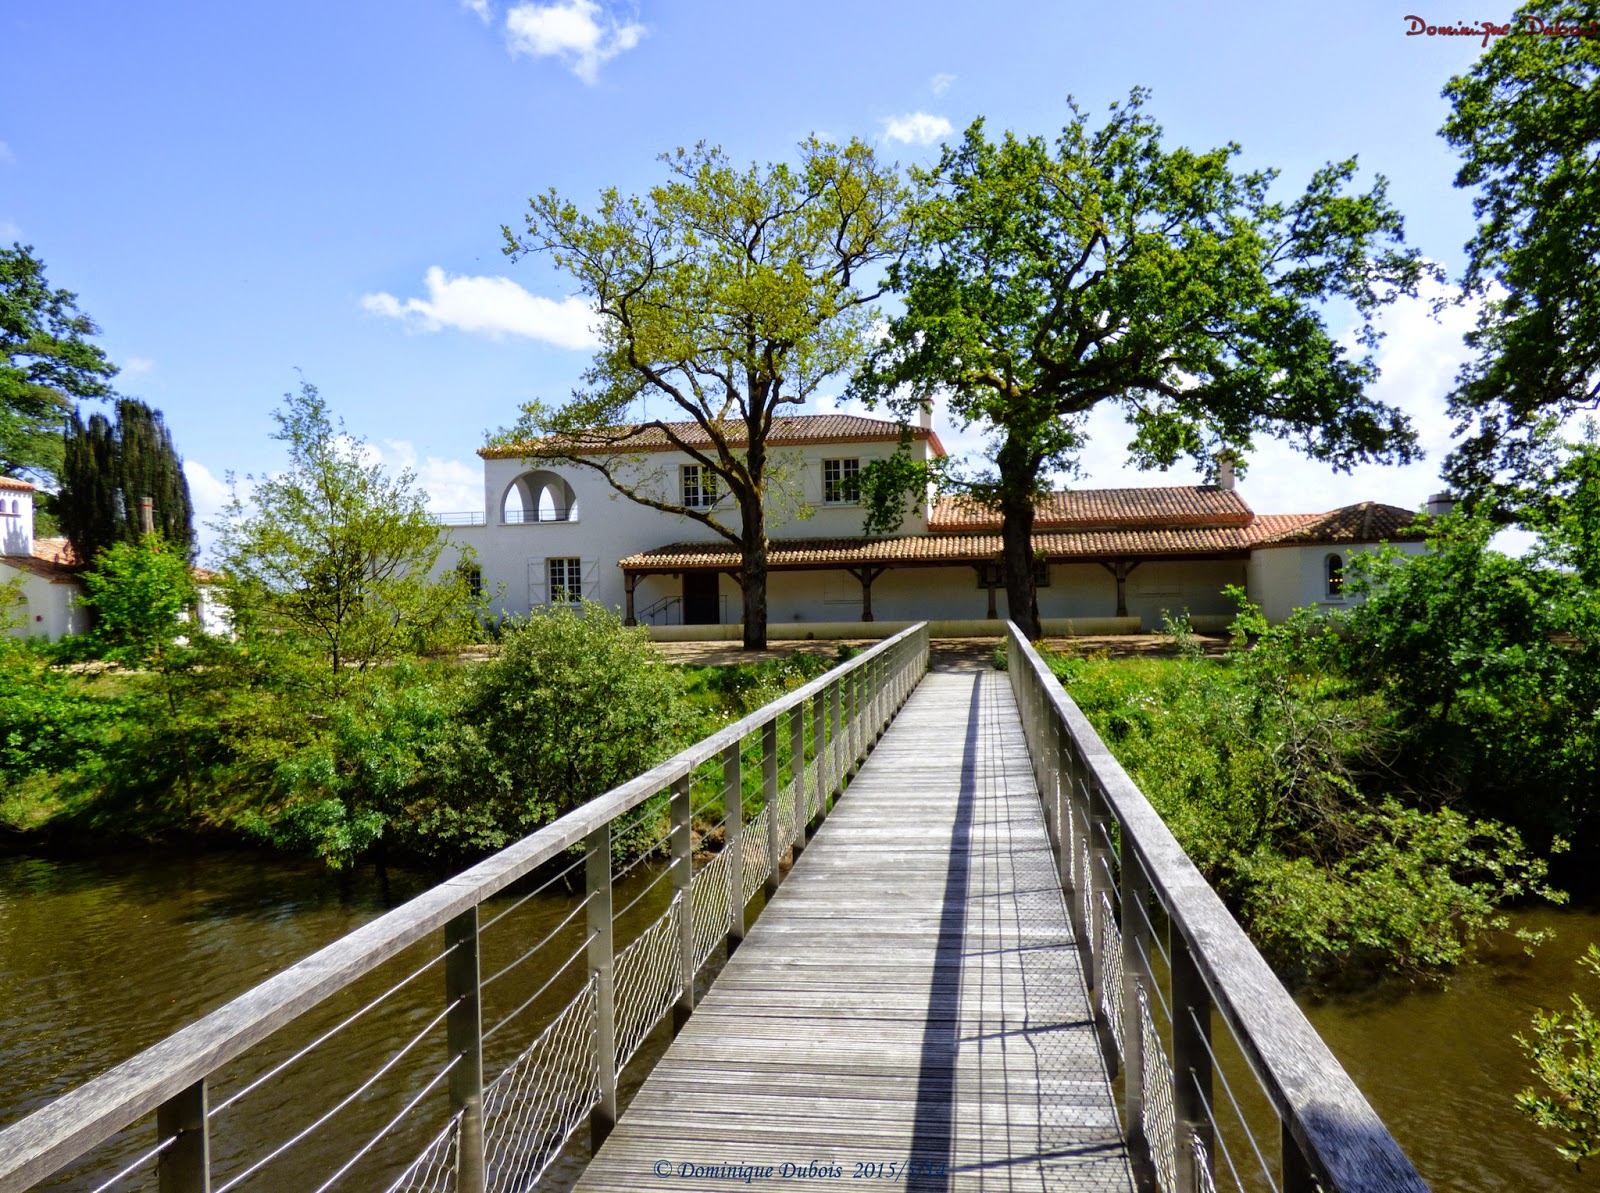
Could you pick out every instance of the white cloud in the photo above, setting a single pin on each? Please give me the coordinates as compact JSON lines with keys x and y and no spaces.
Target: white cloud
{"x":137,"y":366}
{"x":481,"y":7}
{"x":917,"y":128}
{"x":10,"y":230}
{"x":489,"y":306}
{"x":207,"y":495}
{"x":940,"y":83}
{"x":570,"y":30}
{"x":451,"y":485}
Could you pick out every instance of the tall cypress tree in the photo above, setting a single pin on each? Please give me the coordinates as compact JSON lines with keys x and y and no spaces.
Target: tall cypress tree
{"x":109,"y":468}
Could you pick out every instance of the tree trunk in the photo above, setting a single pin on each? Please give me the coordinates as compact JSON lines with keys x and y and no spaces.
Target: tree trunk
{"x":1016,"y":537}
{"x":755,"y":577}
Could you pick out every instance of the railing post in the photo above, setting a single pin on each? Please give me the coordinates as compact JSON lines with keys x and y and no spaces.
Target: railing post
{"x":464,"y":1038}
{"x":683,"y":891}
{"x":1191,"y":1061}
{"x":733,"y":841}
{"x":1099,"y":886}
{"x":769,"y":796}
{"x":1297,"y":1176}
{"x":1135,"y":974}
{"x":797,"y":771}
{"x":1067,"y":825}
{"x":185,"y":1167}
{"x":819,"y":759}
{"x":597,"y":881}
{"x":836,"y":759}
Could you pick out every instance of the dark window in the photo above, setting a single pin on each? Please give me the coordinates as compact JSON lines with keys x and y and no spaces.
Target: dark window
{"x":566,"y":581}
{"x":841,"y":482}
{"x":1335,"y":575}
{"x":699,"y":487}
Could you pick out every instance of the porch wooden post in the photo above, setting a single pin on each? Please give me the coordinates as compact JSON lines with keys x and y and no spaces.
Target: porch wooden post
{"x":628,"y":581}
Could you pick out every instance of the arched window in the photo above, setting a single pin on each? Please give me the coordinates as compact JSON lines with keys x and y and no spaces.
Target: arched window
{"x":13,"y":505}
{"x":1333,"y":572}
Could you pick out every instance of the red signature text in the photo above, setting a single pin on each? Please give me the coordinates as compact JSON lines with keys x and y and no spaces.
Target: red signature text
{"x":1484,"y":30}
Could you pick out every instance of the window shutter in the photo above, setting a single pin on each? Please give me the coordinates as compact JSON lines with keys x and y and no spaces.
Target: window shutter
{"x":538,"y":583}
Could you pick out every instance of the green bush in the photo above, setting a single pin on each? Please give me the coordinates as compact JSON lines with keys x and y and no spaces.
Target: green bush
{"x":1565,"y":1052}
{"x":571,"y":706}
{"x":1274,"y":777}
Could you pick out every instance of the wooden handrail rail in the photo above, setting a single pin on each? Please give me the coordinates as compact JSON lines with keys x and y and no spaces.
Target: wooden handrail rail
{"x":39,"y":1144}
{"x":1344,"y":1142}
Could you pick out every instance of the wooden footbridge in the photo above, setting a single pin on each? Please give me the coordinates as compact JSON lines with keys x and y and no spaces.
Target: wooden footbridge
{"x":989,"y":966}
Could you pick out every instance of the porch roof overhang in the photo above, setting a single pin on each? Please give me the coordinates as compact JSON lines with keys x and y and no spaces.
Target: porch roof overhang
{"x":947,"y":550}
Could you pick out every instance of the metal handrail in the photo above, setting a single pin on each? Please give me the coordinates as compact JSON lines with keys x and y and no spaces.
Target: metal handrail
{"x":460,"y":518}
{"x":1330,"y":1136}
{"x":846,"y":710}
{"x":527,"y":516}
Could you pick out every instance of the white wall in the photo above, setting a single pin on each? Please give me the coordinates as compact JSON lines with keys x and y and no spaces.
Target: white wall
{"x":608,"y":527}
{"x":1283,"y":579}
{"x":16,"y":522}
{"x":50,"y":607}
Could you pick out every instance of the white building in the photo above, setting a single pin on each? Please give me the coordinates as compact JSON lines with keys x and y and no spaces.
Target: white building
{"x":43,"y":570}
{"x":1109,"y":559}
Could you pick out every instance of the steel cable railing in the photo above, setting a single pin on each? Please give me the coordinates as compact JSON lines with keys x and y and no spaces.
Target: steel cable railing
{"x":594,"y":999}
{"x":1115,"y":859}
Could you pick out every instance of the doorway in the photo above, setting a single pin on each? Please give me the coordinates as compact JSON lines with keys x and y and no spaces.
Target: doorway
{"x":702,"y":598}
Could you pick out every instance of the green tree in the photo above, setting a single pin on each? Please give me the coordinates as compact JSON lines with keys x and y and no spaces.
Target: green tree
{"x":332,"y":561}
{"x":1523,"y":119}
{"x":109,"y":468}
{"x":140,"y":593}
{"x":728,"y":295}
{"x":570,"y":707}
{"x":1564,"y":1050}
{"x":1111,"y":268}
{"x":48,"y":361}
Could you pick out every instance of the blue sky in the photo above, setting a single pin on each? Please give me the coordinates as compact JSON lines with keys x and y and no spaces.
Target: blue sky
{"x":236,"y":192}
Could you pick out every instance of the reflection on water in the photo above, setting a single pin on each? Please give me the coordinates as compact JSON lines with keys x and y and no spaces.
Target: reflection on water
{"x":1441,"y":1067}
{"x":101,"y":958}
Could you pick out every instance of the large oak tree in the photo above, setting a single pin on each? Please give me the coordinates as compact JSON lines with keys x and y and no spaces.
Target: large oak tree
{"x":46,"y":361}
{"x":1107,"y":267}
{"x":1526,"y":119}
{"x":727,"y":295}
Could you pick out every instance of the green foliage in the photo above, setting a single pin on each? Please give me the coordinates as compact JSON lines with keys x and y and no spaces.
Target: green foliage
{"x":1276,"y":780}
{"x":47,"y":362}
{"x":380,"y":750}
{"x":109,"y":468}
{"x":139,"y":594}
{"x":571,"y":706}
{"x":1522,"y":119}
{"x":1046,"y":279}
{"x":1488,"y":668}
{"x":332,"y":565}
{"x":735,"y":691}
{"x":1564,"y":1050}
{"x":728,"y":295}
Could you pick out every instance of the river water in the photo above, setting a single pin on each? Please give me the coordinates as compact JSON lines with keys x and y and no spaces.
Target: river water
{"x":100,"y":958}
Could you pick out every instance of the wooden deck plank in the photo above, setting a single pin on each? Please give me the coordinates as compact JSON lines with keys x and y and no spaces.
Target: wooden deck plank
{"x":912,"y":992}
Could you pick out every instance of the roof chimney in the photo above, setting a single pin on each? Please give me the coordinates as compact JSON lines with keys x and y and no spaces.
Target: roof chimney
{"x":1441,"y":505}
{"x":1225,"y":472}
{"x":925,"y":416}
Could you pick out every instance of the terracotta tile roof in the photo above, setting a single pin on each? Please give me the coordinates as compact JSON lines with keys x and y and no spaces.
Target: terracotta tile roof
{"x":1107,"y":509}
{"x":791,"y":430}
{"x":1366,"y":522}
{"x":944,"y":549}
{"x":52,"y":558}
{"x":11,"y":482}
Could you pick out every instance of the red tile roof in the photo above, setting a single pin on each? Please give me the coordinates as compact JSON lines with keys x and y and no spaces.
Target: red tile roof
{"x":790,"y":430}
{"x":1107,"y":509}
{"x":1368,"y":522}
{"x":51,"y":558}
{"x":11,"y":482}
